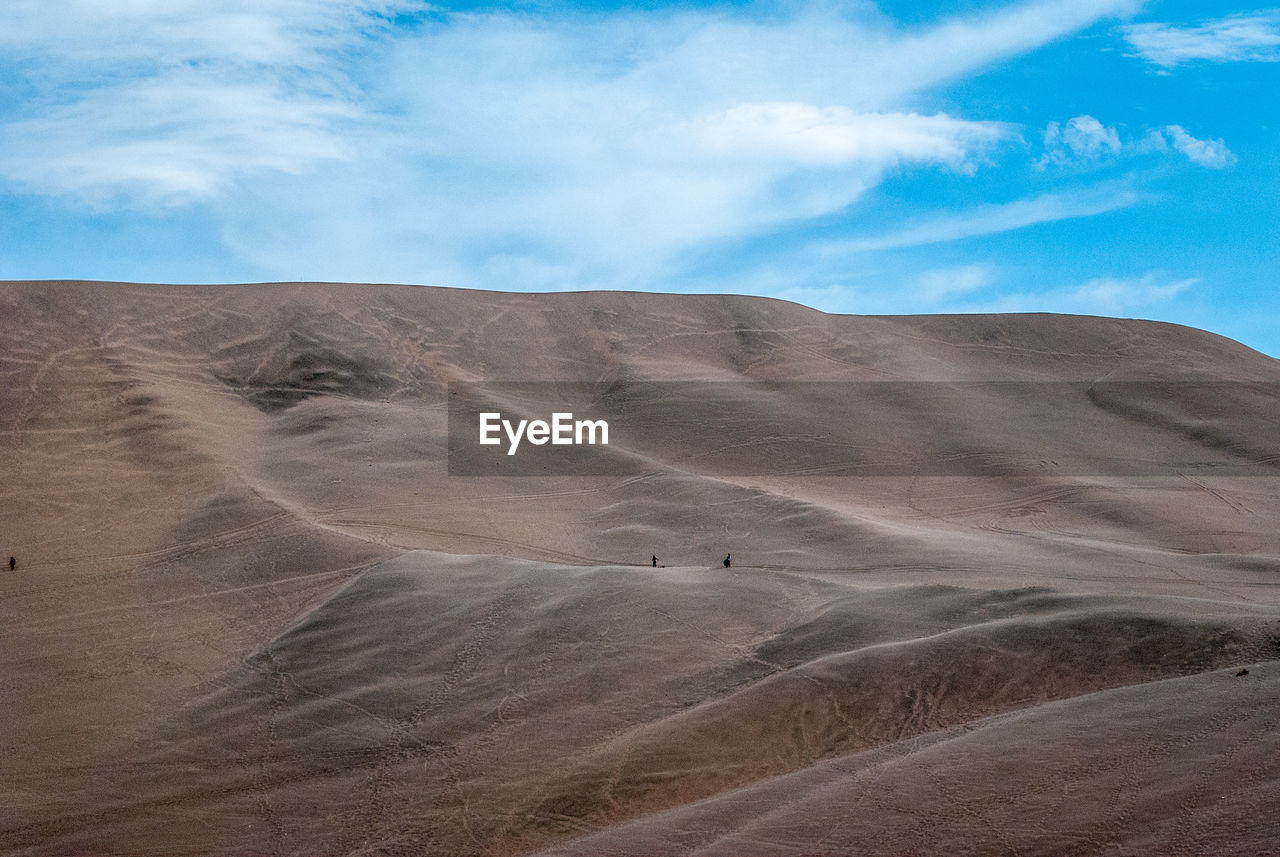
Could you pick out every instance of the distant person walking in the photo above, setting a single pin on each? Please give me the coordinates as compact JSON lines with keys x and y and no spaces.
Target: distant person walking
{"x":655,"y":560}
{"x":13,"y":563}
{"x":727,"y":562}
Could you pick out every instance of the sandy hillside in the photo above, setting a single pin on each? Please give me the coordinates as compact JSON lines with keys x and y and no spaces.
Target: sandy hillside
{"x":254,"y":613}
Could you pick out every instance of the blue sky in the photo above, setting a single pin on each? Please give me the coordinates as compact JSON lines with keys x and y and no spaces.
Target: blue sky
{"x":1111,"y":157}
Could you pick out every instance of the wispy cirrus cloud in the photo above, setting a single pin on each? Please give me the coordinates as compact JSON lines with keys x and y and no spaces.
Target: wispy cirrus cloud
{"x":601,"y":150}
{"x":1112,"y":296}
{"x":58,"y":37}
{"x":164,"y":102}
{"x":172,"y":142}
{"x":932,"y":290}
{"x":805,"y":134}
{"x":497,"y":148}
{"x":986,"y":288}
{"x":945,"y":284}
{"x":992,"y":219}
{"x":846,"y":275}
{"x":1236,"y":38}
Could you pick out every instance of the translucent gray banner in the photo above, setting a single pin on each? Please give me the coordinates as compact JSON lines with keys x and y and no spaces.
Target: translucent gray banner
{"x":1018,"y":428}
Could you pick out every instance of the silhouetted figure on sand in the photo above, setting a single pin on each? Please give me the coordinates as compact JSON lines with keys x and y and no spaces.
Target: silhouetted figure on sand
{"x":1242,"y":672}
{"x":13,"y":563}
{"x":726,"y":560}
{"x":655,"y":560}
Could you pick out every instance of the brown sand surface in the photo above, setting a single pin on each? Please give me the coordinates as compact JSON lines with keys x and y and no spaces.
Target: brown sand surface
{"x":254,"y":614}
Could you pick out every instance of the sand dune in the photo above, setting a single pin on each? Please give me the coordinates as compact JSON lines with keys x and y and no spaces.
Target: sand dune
{"x":1182,"y":766}
{"x":254,"y":613}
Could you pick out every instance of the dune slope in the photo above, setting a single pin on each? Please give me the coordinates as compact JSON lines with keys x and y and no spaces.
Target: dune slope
{"x":254,"y":613}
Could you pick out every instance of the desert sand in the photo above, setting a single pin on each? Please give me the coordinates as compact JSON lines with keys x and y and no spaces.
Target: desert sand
{"x":253,"y":613}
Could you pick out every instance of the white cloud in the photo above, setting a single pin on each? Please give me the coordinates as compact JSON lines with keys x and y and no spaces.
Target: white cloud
{"x":606,"y":150}
{"x":811,"y":135}
{"x":1085,"y":141}
{"x":154,"y":34}
{"x":845,"y":289}
{"x":976,"y":288}
{"x":991,"y":219}
{"x":172,"y":142}
{"x":941,"y":284}
{"x":494,"y":149}
{"x":963,"y":44}
{"x":169,"y":101}
{"x":1109,"y":296}
{"x":1207,"y":153}
{"x":1238,"y":38}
